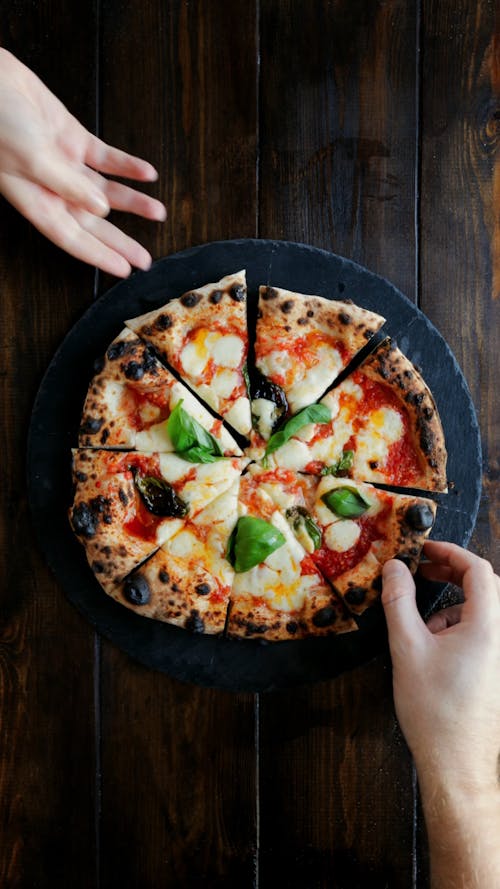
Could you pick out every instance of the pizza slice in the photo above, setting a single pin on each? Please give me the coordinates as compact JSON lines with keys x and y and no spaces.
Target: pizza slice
{"x":360,"y":528}
{"x":277,"y":593}
{"x":302,"y":345}
{"x":187,"y":582}
{"x":131,"y":399}
{"x":379,"y":425}
{"x":127,"y":504}
{"x":203,"y":335}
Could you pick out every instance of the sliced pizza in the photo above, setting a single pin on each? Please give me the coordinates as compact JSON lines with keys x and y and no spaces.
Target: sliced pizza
{"x":302,"y":345}
{"x":127,"y":504}
{"x":349,"y":529}
{"x":277,"y":593}
{"x":187,"y":582}
{"x":203,"y":336}
{"x":379,"y":425}
{"x":130,"y":402}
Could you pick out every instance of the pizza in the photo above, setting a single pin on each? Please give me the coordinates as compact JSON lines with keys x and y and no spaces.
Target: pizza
{"x":302,"y":344}
{"x":381,"y":425}
{"x":283,"y":537}
{"x":203,"y":336}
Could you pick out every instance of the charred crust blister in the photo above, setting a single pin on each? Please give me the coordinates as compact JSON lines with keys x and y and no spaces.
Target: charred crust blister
{"x":237,"y":293}
{"x":91,"y":425}
{"x":163,"y":322}
{"x":269,"y":293}
{"x":215,"y":297}
{"x":189,"y":300}
{"x":117,"y":350}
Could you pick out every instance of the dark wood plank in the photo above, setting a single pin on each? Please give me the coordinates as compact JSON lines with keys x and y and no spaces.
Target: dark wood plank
{"x":178,"y":85}
{"x":460,"y":245}
{"x":47,"y":808}
{"x":337,"y":169}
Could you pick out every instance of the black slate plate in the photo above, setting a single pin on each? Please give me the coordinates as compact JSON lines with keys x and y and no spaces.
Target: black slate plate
{"x":218,"y":662}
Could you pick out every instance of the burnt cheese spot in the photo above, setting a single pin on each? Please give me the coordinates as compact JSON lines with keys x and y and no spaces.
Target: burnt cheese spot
{"x":203,"y":589}
{"x":356,"y":595}
{"x":190,"y":300}
{"x":136,"y":590}
{"x":91,"y":425}
{"x":302,"y":321}
{"x":237,"y":293}
{"x":216,"y":296}
{"x":373,"y":464}
{"x":176,"y":588}
{"x":163,"y":322}
{"x":325,"y":616}
{"x":310,"y":313}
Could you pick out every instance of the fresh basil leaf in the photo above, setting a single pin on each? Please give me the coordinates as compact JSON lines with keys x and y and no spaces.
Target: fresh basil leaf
{"x":251,"y":541}
{"x":305,"y":527}
{"x":343,"y":464}
{"x":314,"y":413}
{"x":189,"y":437}
{"x":159,"y":497}
{"x":346,"y":502}
{"x":246,"y":377}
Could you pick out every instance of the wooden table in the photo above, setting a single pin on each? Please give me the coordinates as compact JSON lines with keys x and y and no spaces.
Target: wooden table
{"x":367,"y":127}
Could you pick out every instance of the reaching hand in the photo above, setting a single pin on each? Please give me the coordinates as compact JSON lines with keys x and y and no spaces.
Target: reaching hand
{"x":447,"y":674}
{"x":49,"y":167}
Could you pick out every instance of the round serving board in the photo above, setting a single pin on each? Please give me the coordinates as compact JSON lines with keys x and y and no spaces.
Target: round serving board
{"x":207,"y":660}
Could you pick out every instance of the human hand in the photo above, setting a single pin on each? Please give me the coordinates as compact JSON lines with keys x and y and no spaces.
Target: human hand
{"x":49,"y":167}
{"x":447,"y":674}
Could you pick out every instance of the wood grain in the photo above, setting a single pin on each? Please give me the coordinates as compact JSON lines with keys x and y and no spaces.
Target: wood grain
{"x":47,"y":761}
{"x":178,"y":82}
{"x":337,"y":169}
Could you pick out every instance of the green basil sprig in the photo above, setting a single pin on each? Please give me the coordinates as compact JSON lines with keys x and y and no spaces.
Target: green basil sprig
{"x":315,"y":413}
{"x":303,"y":524}
{"x":343,"y":464}
{"x":251,"y":541}
{"x":159,"y":497}
{"x":190,"y":440}
{"x":346,"y":502}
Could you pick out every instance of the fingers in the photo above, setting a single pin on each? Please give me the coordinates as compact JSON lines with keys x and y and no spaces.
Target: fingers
{"x":121,"y":197}
{"x":398,"y":599}
{"x":115,"y":162}
{"x":111,"y":236}
{"x":52,"y":171}
{"x":451,"y":563}
{"x":448,"y":617}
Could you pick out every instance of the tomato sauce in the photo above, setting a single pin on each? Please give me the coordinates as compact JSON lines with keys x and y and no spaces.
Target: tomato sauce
{"x":333,"y":564}
{"x":135,"y":400}
{"x":143,"y":524}
{"x":147,"y":465}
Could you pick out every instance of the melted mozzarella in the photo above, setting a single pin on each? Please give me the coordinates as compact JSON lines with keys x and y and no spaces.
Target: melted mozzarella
{"x":225,"y":382}
{"x":341,"y":536}
{"x":239,"y":416}
{"x":167,"y":529}
{"x":264,"y":412}
{"x":156,"y":438}
{"x":384,"y":427}
{"x":195,"y":354}
{"x":228,"y":350}
{"x":186,"y":544}
{"x":294,"y":454}
{"x":275,"y":364}
{"x":315,"y":379}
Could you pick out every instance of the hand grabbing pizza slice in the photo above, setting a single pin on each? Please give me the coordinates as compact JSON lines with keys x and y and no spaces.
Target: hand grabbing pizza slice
{"x":203,"y":336}
{"x":302,"y":345}
{"x":130,"y":402}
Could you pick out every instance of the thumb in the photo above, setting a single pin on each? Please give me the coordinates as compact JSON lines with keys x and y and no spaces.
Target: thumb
{"x":398,"y":599}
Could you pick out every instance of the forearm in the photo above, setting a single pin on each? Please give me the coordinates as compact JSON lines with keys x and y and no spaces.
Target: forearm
{"x":463,"y":826}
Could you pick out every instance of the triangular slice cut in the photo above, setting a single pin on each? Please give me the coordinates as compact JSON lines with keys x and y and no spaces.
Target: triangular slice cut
{"x":127,"y":504}
{"x":282,"y":596}
{"x":187,"y":582}
{"x":384,"y":428}
{"x":131,"y":398}
{"x":350,"y":529}
{"x":302,"y":345}
{"x":203,"y":335}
